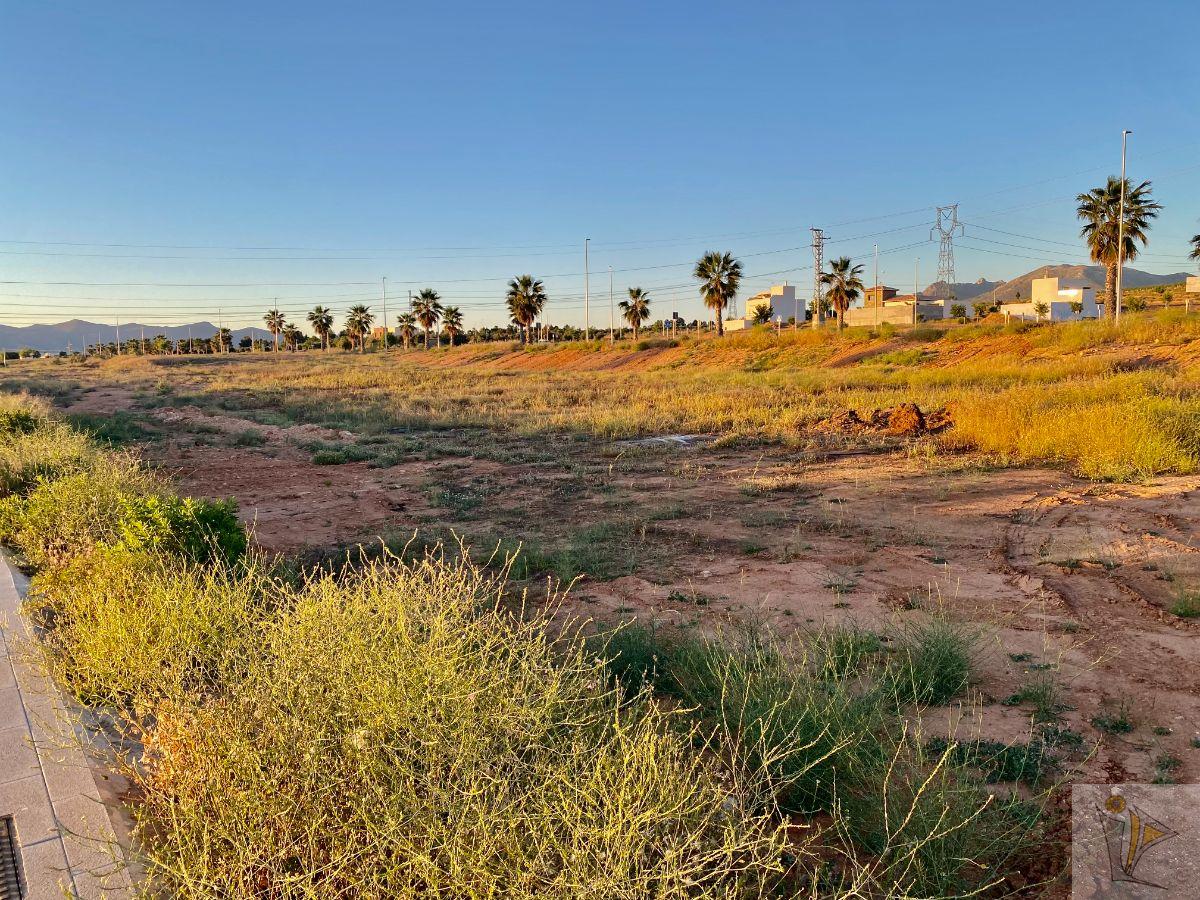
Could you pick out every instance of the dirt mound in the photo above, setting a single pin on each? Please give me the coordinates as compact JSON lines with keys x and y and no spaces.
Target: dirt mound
{"x":194,"y":416}
{"x":902,"y":420}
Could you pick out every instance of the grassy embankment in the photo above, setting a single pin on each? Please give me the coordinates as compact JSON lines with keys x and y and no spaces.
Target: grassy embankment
{"x":397,"y":730}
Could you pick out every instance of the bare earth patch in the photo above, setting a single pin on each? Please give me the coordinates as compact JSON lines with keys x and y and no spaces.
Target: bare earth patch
{"x":1070,"y":581}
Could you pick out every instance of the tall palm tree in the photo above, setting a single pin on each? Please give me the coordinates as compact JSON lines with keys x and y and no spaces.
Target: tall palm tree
{"x":452,"y":321}
{"x":1195,"y":254}
{"x":427,"y":308}
{"x":525,"y":298}
{"x":844,"y":281}
{"x":1100,"y":210}
{"x":358,"y":325}
{"x":321,"y":320}
{"x":636,"y":309}
{"x":720,"y":275}
{"x":406,"y":327}
{"x":275,"y":321}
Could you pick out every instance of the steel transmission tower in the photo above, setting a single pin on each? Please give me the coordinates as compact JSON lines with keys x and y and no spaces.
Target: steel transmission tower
{"x":818,"y":245}
{"x":947,"y":224}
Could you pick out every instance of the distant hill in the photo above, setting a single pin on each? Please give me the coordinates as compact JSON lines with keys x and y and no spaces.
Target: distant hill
{"x":1094,"y":275}
{"x":77,"y":334}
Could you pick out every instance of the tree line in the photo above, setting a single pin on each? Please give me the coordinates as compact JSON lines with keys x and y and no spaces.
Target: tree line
{"x":1115,"y":228}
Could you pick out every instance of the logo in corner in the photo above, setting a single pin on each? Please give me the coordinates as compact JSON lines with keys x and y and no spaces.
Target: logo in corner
{"x":1128,"y":833}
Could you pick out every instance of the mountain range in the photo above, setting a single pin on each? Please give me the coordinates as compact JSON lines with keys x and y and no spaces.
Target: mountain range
{"x":1023,"y":284}
{"x":78,"y":333}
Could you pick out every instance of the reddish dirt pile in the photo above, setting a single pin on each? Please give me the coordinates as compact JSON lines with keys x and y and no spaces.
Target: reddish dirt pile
{"x":902,"y":420}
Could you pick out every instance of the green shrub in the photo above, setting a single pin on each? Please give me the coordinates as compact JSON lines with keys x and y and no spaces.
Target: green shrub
{"x":395,"y":734}
{"x":817,"y":725}
{"x":116,"y":503}
{"x":129,"y":627}
{"x":198,"y":530}
{"x":47,"y":451}
{"x":1187,"y":605}
{"x":18,"y":421}
{"x":61,"y":517}
{"x":114,"y":429}
{"x":934,"y":662}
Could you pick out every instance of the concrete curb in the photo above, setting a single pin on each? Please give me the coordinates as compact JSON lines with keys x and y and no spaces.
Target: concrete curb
{"x":66,"y":842}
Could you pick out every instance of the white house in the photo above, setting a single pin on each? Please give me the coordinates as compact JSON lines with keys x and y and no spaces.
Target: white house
{"x":1058,"y":294}
{"x":780,"y":299}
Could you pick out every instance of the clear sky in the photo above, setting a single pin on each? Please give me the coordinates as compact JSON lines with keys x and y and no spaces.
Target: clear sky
{"x":453,"y":145}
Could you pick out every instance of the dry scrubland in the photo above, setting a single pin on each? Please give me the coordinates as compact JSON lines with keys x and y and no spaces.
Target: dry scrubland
{"x":1113,"y":404}
{"x":420,"y":721}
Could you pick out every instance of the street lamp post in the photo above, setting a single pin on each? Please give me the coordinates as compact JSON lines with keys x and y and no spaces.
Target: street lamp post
{"x":1121,"y":226}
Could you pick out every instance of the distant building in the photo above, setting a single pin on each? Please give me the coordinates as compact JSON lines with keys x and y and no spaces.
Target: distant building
{"x":780,"y":299}
{"x":878,"y":295}
{"x":1058,"y":295}
{"x":883,"y":305}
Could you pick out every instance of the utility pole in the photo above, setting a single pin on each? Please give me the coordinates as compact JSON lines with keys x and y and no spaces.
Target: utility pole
{"x":1121,"y":227}
{"x":143,"y":340}
{"x":612,"y":319}
{"x":916,"y":287}
{"x":587,"y":321}
{"x":119,"y":335}
{"x":878,"y":292}
{"x":385,"y":328}
{"x":191,"y":345}
{"x":818,"y":246}
{"x":220,"y":333}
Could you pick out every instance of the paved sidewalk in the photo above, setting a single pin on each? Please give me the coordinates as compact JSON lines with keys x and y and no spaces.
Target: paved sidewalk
{"x":66,"y":843}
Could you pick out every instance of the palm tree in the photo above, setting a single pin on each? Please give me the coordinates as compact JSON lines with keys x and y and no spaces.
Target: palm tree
{"x":844,"y":280}
{"x":358,"y":324}
{"x":428,"y":310}
{"x":452,"y":321}
{"x":636,"y":309}
{"x":720,"y":275}
{"x":275,"y":321}
{"x":291,"y":336}
{"x":525,"y":298}
{"x":1195,"y":254}
{"x":321,"y":320}
{"x":1100,"y":210}
{"x":406,"y":327}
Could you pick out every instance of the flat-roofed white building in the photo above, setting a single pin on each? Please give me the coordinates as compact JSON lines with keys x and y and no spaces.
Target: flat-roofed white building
{"x":1061,"y":297}
{"x":780,"y":299}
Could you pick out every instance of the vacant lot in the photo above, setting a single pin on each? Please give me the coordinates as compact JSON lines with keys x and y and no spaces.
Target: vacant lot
{"x":1047,"y":495}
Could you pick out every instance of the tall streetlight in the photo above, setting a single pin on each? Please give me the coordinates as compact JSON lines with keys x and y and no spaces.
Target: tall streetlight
{"x":587,"y":319}
{"x":1121,"y":226}
{"x":611,"y":308}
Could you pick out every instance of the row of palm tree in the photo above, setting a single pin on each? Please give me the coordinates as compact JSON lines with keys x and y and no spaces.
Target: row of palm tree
{"x":720,"y":276}
{"x":426,"y":309}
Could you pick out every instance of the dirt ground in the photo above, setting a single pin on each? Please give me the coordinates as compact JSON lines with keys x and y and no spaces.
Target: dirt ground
{"x":1068,"y":580}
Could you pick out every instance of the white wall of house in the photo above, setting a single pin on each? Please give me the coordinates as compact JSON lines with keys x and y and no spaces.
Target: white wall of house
{"x":899,"y":312}
{"x":1059,"y":311}
{"x":1059,"y":294}
{"x":780,"y":298}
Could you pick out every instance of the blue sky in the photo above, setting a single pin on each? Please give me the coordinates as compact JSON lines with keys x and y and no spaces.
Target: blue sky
{"x":453,"y":145}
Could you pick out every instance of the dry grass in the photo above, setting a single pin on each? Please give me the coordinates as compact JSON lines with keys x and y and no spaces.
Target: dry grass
{"x":1111,"y":402}
{"x":404,"y":729}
